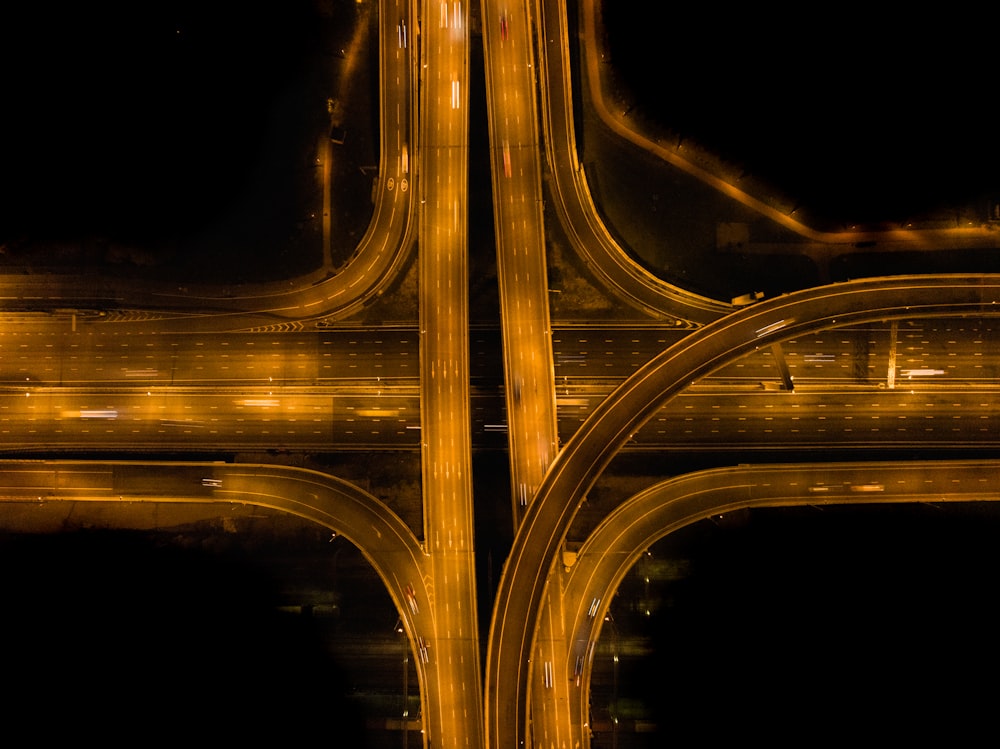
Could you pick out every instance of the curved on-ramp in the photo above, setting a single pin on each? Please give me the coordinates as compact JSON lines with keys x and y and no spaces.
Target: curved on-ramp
{"x":327,"y":293}
{"x":623,"y":536}
{"x":380,"y":535}
{"x":612,"y":265}
{"x":540,"y":537}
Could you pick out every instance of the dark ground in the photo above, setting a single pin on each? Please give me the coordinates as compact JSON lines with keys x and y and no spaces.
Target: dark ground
{"x":180,"y":140}
{"x":867,"y":118}
{"x":119,"y":638}
{"x":852,"y":120}
{"x":809,"y":625}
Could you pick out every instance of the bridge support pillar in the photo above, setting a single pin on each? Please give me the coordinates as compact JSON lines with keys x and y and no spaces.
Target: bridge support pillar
{"x":779,"y":358}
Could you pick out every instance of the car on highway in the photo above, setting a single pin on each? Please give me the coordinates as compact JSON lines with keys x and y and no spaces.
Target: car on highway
{"x":411,"y":600}
{"x":592,"y":611}
{"x":503,"y":27}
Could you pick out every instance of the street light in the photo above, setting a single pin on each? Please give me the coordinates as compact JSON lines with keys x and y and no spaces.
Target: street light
{"x":406,"y":683}
{"x":613,"y":706}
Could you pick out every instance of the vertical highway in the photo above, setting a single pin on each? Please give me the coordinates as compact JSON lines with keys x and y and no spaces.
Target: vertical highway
{"x":520,"y":241}
{"x":452,"y":652}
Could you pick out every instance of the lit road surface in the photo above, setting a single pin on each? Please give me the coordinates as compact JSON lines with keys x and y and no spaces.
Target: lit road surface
{"x":539,"y":540}
{"x":359,"y":389}
{"x":235,"y":368}
{"x":329,"y":292}
{"x":136,"y":490}
{"x":345,"y":419}
{"x":453,"y":716}
{"x":706,"y":417}
{"x":521,"y":262}
{"x":210,"y":419}
{"x":620,"y":274}
{"x":581,"y":599}
{"x":108,"y":354}
{"x":52,"y":352}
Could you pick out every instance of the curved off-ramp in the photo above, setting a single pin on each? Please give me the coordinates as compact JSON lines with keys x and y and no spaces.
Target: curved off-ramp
{"x":325,"y":295}
{"x":540,"y":537}
{"x":604,"y":257}
{"x":613,"y":548}
{"x":393,"y":551}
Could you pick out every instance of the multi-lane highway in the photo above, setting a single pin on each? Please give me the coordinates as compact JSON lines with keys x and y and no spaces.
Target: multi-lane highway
{"x":522,"y":269}
{"x":703,"y":418}
{"x":116,"y":367}
{"x":919,"y":382}
{"x":450,"y":645}
{"x":43,"y":350}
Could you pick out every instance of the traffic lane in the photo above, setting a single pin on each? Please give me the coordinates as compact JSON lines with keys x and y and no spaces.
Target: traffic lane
{"x":611,"y":550}
{"x":110,"y":355}
{"x":200,"y":419}
{"x":593,"y":446}
{"x":925,"y":350}
{"x":875,"y":417}
{"x":932,"y":348}
{"x":390,"y":417}
{"x":454,"y":717}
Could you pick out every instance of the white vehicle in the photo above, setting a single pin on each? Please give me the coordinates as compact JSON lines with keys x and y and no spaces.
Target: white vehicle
{"x":592,"y":612}
{"x":773,"y":327}
{"x":98,"y":413}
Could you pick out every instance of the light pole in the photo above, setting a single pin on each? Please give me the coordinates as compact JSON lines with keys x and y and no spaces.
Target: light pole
{"x":613,"y":707}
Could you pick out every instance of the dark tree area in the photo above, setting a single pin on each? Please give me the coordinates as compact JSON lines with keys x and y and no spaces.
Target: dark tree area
{"x":864,"y":116}
{"x":113,"y":639}
{"x":799,"y":626}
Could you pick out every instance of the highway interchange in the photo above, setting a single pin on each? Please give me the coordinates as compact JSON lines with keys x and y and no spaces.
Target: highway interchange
{"x":901,"y":361}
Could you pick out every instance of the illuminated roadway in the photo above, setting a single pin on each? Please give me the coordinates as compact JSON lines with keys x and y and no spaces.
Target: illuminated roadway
{"x":440,"y":564}
{"x":358,"y":389}
{"x":522,"y":270}
{"x":537,"y":545}
{"x":573,"y":202}
{"x":453,"y":717}
{"x":134,"y":491}
{"x":45,"y":350}
{"x":581,"y":595}
{"x":326,"y":294}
